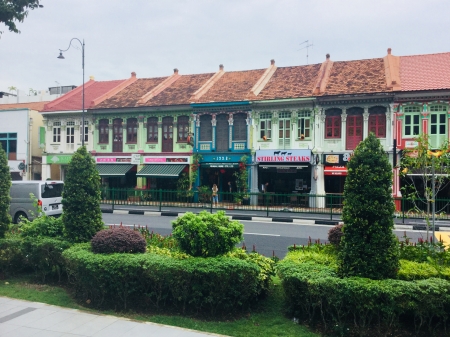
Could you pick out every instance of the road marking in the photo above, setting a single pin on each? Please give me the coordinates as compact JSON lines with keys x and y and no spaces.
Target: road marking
{"x":261,"y":234}
{"x":444,"y":236}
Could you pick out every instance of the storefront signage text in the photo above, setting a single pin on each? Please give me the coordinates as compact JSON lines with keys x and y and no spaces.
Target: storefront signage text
{"x":113,"y":159}
{"x":166,"y":160}
{"x":291,"y":156}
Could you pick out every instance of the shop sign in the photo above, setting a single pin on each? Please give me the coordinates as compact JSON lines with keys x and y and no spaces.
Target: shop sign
{"x":335,"y":171}
{"x":59,"y":159}
{"x":113,"y":160}
{"x":337,"y":158}
{"x":220,"y":165}
{"x":135,"y":158}
{"x":411,"y":144}
{"x":283,"y":156}
{"x":229,"y":158}
{"x":16,"y":165}
{"x":167,"y":159}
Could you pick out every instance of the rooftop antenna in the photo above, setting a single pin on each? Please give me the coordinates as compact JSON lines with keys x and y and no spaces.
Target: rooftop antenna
{"x":307,"y":48}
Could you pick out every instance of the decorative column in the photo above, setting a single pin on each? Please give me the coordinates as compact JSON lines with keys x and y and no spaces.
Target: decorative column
{"x":230,"y":131}
{"x":142,"y":136}
{"x":213,"y":123}
{"x":425,"y":115}
{"x":320,"y":135}
{"x":343,"y":129}
{"x":159,"y":135}
{"x":366,"y":122}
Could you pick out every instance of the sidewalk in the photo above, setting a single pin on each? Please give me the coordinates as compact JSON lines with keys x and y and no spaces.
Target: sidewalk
{"x":20,"y":318}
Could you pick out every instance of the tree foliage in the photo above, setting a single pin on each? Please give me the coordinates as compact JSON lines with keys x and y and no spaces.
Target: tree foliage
{"x":82,"y":216}
{"x":417,"y":167}
{"x":368,"y":247}
{"x":5,"y":186}
{"x":16,"y":10}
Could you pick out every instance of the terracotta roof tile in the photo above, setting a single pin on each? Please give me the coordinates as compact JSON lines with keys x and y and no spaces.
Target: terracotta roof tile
{"x":38,"y":106}
{"x":233,"y":86}
{"x":355,"y":77}
{"x":180,"y":92}
{"x":289,"y":82}
{"x":73,"y":100}
{"x":129,"y":96}
{"x":425,"y":72}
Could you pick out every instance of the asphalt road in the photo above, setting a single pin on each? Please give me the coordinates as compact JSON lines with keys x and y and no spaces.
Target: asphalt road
{"x":268,"y":238}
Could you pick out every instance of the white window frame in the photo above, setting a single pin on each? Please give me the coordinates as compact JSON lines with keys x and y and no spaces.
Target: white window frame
{"x":56,"y":134}
{"x":265,"y":125}
{"x":304,"y":124}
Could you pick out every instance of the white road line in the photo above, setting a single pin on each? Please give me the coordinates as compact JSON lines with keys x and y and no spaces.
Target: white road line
{"x":261,"y":234}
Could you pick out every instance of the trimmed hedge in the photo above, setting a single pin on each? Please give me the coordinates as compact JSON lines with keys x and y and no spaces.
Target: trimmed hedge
{"x":118,"y":240}
{"x":212,"y":285}
{"x":315,"y":293}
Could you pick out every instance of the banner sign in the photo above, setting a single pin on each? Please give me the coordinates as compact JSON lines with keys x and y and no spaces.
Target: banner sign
{"x":113,"y":160}
{"x":167,"y":160}
{"x":336,"y":158}
{"x":283,"y":156}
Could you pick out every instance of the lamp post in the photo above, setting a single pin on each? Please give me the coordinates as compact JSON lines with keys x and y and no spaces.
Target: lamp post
{"x":82,"y":66}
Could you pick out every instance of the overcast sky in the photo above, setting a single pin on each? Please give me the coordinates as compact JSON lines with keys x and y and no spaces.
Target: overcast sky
{"x":154,"y":37}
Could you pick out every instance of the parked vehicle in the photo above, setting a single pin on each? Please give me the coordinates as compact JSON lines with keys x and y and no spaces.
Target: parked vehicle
{"x":48,"y":194}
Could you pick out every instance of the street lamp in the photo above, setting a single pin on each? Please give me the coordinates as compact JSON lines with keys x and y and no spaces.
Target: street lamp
{"x":82,"y":66}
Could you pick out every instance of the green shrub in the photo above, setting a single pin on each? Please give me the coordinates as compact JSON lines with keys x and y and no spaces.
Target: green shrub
{"x":82,"y":216}
{"x":142,"y":281}
{"x":118,"y":240}
{"x":43,"y":225}
{"x":44,"y":256}
{"x":206,"y":234}
{"x":315,"y":294}
{"x":12,"y":258}
{"x":368,"y":247}
{"x":411,"y":270}
{"x":5,"y":186}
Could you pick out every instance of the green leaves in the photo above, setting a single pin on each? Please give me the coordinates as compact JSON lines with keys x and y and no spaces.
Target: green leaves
{"x":368,"y":247}
{"x":82,"y":216}
{"x":206,"y":234}
{"x":5,"y":186}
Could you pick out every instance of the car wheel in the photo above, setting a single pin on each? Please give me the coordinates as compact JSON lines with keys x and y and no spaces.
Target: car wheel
{"x":19,"y":216}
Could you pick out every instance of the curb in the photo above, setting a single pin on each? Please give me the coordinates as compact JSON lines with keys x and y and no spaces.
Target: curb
{"x":234,"y":217}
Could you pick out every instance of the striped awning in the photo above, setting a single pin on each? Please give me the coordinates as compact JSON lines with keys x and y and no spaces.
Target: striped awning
{"x":161,"y":170}
{"x":113,"y":170}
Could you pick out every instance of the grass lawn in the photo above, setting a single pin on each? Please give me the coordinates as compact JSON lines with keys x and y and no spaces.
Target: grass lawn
{"x":265,"y":320}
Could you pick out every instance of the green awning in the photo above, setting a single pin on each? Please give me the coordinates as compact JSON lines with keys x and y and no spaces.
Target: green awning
{"x":113,"y":170}
{"x":161,"y":170}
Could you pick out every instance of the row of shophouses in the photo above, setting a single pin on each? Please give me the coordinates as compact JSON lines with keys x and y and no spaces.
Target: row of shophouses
{"x":295,"y":127}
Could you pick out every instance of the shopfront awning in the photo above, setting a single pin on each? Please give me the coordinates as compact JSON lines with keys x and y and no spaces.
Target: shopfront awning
{"x":335,"y":171}
{"x":113,"y":170}
{"x":161,"y":170}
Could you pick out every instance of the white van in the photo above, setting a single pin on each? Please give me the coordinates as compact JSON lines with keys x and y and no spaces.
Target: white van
{"x":48,"y":193}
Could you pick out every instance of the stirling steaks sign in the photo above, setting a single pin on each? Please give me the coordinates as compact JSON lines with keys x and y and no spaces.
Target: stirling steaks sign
{"x":283,"y":156}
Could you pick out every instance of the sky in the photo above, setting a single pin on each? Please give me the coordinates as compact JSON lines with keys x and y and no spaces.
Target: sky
{"x":152,"y":38}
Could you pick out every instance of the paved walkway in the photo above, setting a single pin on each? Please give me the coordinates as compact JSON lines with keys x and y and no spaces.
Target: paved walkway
{"x":22,"y":318}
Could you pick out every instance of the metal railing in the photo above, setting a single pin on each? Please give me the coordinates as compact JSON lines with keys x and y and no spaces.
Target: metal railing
{"x":262,"y":203}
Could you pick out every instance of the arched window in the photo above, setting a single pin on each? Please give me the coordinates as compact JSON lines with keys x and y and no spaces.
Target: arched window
{"x":239,"y":127}
{"x":377,"y":121}
{"x":152,"y":130}
{"x":103,"y":131}
{"x":411,"y":122}
{"x":205,"y":128}
{"x":132,"y":130}
{"x":183,"y":128}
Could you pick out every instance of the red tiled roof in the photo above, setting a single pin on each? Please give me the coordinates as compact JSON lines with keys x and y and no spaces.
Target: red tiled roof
{"x":180,"y":92}
{"x":356,"y":77}
{"x":425,"y":72}
{"x":129,"y":96}
{"x":290,"y":82}
{"x":38,"y":106}
{"x":73,"y":99}
{"x":233,"y":86}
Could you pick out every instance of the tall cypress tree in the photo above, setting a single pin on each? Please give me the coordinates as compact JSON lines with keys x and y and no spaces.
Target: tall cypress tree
{"x":369,"y":247}
{"x":5,"y":186}
{"x":82,"y":216}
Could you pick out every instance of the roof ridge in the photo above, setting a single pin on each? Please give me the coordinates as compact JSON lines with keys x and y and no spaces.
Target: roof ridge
{"x":324,"y":76}
{"x":160,"y":87}
{"x":68,"y":95}
{"x":392,"y":70}
{"x":264,"y":79}
{"x":122,"y":85}
{"x":208,"y":84}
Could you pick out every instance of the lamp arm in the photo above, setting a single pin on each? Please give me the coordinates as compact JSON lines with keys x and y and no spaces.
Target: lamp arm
{"x":70,"y":44}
